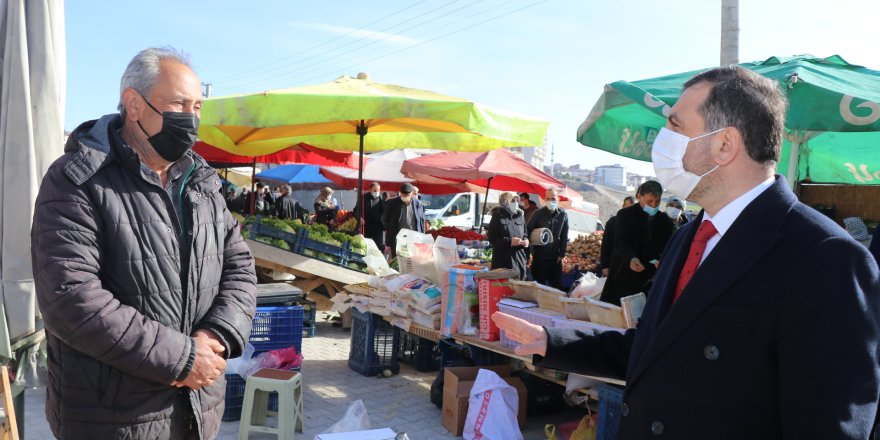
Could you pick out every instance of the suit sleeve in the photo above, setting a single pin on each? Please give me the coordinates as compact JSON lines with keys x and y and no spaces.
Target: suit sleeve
{"x":604,"y":354}
{"x":66,"y":254}
{"x":827,"y":345}
{"x":232,"y":314}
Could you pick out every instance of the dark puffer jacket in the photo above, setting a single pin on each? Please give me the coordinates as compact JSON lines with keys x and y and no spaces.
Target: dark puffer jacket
{"x":108,"y":273}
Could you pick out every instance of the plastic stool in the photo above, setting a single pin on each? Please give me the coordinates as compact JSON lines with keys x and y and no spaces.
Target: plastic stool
{"x":288,"y":385}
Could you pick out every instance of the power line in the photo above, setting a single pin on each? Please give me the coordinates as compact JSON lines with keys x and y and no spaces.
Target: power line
{"x":426,"y":41}
{"x":274,"y":75}
{"x":258,"y":68}
{"x":244,"y":80}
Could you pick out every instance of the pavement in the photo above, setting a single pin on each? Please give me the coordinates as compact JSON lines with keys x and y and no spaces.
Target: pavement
{"x":400,"y":402}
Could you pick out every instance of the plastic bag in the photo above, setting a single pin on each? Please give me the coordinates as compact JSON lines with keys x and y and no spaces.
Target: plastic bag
{"x":445,"y":254}
{"x":459,"y":280}
{"x":588,"y":286}
{"x":419,"y":249}
{"x":375,"y":259}
{"x":492,"y":411}
{"x":355,"y":419}
{"x":282,"y":359}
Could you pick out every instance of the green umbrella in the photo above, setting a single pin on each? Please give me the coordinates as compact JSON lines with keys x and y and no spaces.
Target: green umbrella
{"x":833,"y":121}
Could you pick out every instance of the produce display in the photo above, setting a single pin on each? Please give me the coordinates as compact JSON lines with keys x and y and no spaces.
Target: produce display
{"x":317,"y":232}
{"x":345,"y":221}
{"x":583,"y":253}
{"x":458,"y":234}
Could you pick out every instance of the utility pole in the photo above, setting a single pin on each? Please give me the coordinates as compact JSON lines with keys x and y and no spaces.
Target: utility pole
{"x":729,"y":32}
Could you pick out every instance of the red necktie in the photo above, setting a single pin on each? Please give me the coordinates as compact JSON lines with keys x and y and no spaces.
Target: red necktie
{"x":698,"y":247}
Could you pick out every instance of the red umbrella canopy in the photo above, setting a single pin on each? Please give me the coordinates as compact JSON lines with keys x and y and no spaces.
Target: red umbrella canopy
{"x":297,"y":154}
{"x":506,"y":171}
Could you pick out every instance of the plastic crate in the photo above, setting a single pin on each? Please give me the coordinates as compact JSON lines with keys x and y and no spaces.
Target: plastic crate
{"x":374,"y":344}
{"x":424,"y":354}
{"x":451,"y":353}
{"x":610,"y":400}
{"x":235,"y":386}
{"x":277,"y":327}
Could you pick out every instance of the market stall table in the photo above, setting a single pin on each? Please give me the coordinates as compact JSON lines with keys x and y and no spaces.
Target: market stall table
{"x":310,"y":273}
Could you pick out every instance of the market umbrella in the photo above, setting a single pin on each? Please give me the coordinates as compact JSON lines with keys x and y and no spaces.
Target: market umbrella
{"x":339,"y":114}
{"x":299,"y":153}
{"x":384,"y":168}
{"x":31,"y":137}
{"x":498,"y":169}
{"x":297,"y":176}
{"x":833,"y":120}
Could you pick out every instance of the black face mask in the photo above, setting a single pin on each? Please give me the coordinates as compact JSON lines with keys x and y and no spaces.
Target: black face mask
{"x":178,"y":134}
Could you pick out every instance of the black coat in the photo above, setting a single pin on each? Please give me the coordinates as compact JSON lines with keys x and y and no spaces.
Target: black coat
{"x":373,"y":208}
{"x":557,"y":222}
{"x":776,"y":335}
{"x":637,"y":235}
{"x":394,"y":210}
{"x":502,"y":228}
{"x":288,"y":207}
{"x":118,"y":307}
{"x":608,"y":243}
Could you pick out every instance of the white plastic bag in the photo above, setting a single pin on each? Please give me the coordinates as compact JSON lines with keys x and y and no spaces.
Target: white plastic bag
{"x":375,"y":259}
{"x":445,"y":254}
{"x":588,"y":286}
{"x":492,"y":411}
{"x":419,"y":248}
{"x":355,"y":419}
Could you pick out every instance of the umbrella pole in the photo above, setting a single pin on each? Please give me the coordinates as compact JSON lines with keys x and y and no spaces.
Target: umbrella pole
{"x":359,"y":204}
{"x":485,"y":203}
{"x":793,"y":157}
{"x":253,"y":196}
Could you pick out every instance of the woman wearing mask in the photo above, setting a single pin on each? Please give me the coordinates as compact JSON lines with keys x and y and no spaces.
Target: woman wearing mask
{"x":326,"y":207}
{"x":641,"y":236}
{"x":675,"y":209}
{"x":508,"y":235}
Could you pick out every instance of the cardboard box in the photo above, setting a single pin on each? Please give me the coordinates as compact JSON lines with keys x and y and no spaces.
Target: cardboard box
{"x":372,"y":434}
{"x":457,"y":385}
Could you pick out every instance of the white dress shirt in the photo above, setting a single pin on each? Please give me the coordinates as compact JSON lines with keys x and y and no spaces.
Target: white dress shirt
{"x":725,"y":217}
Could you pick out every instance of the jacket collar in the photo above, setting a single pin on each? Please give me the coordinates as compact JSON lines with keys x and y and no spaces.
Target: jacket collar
{"x":757,"y":230}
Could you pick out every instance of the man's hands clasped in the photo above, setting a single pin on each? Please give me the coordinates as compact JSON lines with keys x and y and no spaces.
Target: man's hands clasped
{"x":209,"y":363}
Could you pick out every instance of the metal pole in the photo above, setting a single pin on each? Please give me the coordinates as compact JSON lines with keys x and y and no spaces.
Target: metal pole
{"x":485,"y":203}
{"x":362,"y":132}
{"x":793,"y":159}
{"x":253,"y":196}
{"x":729,"y":32}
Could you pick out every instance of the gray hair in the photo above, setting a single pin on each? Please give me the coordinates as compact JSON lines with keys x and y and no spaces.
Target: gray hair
{"x":143,"y":70}
{"x":506,"y":197}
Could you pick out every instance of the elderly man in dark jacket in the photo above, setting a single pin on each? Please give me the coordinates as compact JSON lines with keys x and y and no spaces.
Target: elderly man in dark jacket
{"x":547,"y":260}
{"x":373,"y":207}
{"x":143,"y":280}
{"x":286,"y":206}
{"x":402,"y":213}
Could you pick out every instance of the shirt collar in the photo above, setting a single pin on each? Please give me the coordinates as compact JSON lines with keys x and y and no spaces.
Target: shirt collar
{"x":725,"y":218}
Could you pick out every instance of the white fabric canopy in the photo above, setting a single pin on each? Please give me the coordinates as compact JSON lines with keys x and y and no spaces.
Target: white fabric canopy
{"x":33,"y":79}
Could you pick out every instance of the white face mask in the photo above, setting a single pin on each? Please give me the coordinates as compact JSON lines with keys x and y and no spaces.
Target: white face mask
{"x":673,"y":212}
{"x":375,"y":193}
{"x":667,"y":155}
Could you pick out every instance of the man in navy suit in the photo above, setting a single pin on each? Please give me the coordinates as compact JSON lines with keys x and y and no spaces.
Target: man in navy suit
{"x":762,"y":322}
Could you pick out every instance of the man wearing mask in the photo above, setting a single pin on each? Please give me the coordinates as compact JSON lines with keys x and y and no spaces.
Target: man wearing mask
{"x":142,"y":277}
{"x":547,"y":259}
{"x":640,"y":234}
{"x":529,"y":207}
{"x":761,"y":304}
{"x":608,"y":238}
{"x":401,"y":213}
{"x":675,"y":209}
{"x":373,"y":207}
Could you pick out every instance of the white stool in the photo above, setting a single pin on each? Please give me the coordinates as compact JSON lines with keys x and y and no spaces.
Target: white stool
{"x":288,"y":385}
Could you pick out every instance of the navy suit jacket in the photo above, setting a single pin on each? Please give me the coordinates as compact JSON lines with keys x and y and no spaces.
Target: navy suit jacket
{"x":775,"y":336}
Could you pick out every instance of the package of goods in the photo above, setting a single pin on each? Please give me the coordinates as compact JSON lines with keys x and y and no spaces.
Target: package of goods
{"x":491,"y":292}
{"x":544,"y":318}
{"x":433,"y":309}
{"x":380,"y":302}
{"x":492,"y":409}
{"x":532,"y":291}
{"x":458,"y":382}
{"x":588,"y":286}
{"x":584,"y":326}
{"x":459,"y":286}
{"x":605,"y":313}
{"x":363,"y":308}
{"x":401,"y":322}
{"x":426,"y":320}
{"x":381,"y":293}
{"x":361,"y":299}
{"x":341,"y":302}
{"x":399,"y":307}
{"x":378,"y":310}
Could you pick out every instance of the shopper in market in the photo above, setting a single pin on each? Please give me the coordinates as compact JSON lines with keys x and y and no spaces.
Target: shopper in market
{"x":547,"y":260}
{"x":763,"y":319}
{"x":373,"y":206}
{"x":401,"y":213}
{"x":507,"y":234}
{"x":675,"y":209}
{"x":608,"y":237}
{"x":529,"y":207}
{"x":143,"y":280}
{"x":640,"y":235}
{"x":286,"y":206}
{"x":326,"y":208}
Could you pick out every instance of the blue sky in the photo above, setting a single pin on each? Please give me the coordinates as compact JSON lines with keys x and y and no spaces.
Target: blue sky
{"x":546,"y":58}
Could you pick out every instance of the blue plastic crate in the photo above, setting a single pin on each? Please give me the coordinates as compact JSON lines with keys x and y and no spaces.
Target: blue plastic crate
{"x":235,"y":386}
{"x":310,"y":332}
{"x":277,"y":327}
{"x":374,"y":344}
{"x":610,"y":400}
{"x":422,"y":353}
